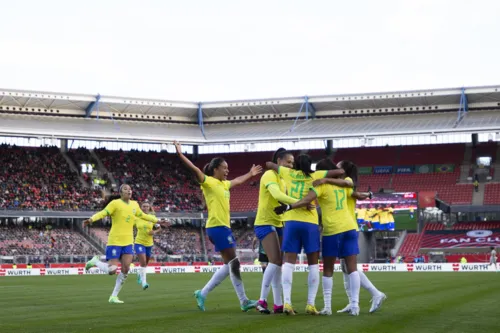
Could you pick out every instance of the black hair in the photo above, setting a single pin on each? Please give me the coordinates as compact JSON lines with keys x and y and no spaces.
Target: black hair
{"x":325,"y":165}
{"x":303,"y":163}
{"x":280,"y":154}
{"x":492,"y":247}
{"x":111,"y":197}
{"x":209,"y":168}
{"x":351,"y":171}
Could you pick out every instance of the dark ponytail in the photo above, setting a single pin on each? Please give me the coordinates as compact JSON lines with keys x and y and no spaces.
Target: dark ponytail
{"x":325,"y":165}
{"x":209,"y":168}
{"x":351,"y":171}
{"x":303,"y":163}
{"x":279,"y":154}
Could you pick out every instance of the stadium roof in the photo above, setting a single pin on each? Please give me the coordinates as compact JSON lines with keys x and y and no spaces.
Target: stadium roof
{"x":63,"y":115}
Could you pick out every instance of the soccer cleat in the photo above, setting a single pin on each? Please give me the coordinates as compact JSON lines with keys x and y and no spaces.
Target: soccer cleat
{"x":115,"y":300}
{"x":288,"y":310}
{"x":354,"y":311}
{"x":248,"y":304}
{"x":145,"y":286}
{"x":91,"y":263}
{"x":347,"y":309}
{"x":200,"y":300}
{"x":311,"y":310}
{"x":325,"y":312}
{"x":377,"y":302}
{"x":262,"y":307}
{"x":277,"y":309}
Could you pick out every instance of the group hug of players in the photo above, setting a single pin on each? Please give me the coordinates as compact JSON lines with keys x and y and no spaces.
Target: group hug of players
{"x":287,"y":222}
{"x":380,"y":218}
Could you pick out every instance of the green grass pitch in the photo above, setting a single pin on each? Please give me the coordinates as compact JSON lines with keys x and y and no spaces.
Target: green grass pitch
{"x":418,"y":302}
{"x":404,"y":222}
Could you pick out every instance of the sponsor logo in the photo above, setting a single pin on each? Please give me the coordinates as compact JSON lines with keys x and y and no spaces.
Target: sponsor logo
{"x":42,"y":271}
{"x":474,"y":267}
{"x":18,"y":272}
{"x":409,"y":267}
{"x":157,"y":270}
{"x":365,"y":267}
{"x":479,"y":233}
{"x":173,"y":270}
{"x":428,"y":267}
{"x":56,"y":272}
{"x":2,"y":272}
{"x":80,"y":271}
{"x":456,"y":267}
{"x":383,"y":268}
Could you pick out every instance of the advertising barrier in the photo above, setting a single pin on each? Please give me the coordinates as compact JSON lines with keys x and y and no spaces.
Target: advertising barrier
{"x":448,"y":267}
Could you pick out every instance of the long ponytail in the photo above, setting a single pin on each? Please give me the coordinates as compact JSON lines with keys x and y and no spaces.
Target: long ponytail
{"x":303,"y":163}
{"x":351,"y":171}
{"x":209,"y":168}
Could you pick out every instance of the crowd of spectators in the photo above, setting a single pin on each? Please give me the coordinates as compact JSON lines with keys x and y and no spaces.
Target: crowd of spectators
{"x":39,"y":179}
{"x":28,"y":241}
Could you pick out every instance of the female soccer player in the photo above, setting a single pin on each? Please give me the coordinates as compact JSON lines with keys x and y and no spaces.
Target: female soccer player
{"x":269,"y":229}
{"x":144,"y":243}
{"x":378,"y":297}
{"x":215,"y":187}
{"x":340,"y":230}
{"x":119,"y":249}
{"x":301,"y":229}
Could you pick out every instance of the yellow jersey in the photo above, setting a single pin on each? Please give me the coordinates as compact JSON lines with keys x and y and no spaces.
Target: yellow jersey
{"x":336,"y":216}
{"x":216,"y":193}
{"x":299,"y":186}
{"x":390,"y":215}
{"x":361,"y":213}
{"x":384,"y":217}
{"x":374,"y":215}
{"x":265,"y":211}
{"x":143,"y":228}
{"x":122,"y":221}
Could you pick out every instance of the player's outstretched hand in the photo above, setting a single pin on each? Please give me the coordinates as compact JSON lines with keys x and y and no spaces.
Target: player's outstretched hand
{"x":255,"y":170}
{"x":370,"y":195}
{"x":87,"y":222}
{"x":319,"y":182}
{"x":282,"y":208}
{"x":164,"y":223}
{"x":178,"y":147}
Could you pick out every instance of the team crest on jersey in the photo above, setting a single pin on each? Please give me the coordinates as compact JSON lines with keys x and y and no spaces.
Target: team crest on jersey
{"x":133,"y":211}
{"x":227,"y":194}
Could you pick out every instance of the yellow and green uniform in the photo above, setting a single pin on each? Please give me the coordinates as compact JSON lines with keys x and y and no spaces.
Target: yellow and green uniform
{"x":123,"y":216}
{"x":216,"y":193}
{"x":143,"y":236}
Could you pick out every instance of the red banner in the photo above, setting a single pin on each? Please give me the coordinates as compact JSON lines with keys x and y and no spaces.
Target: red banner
{"x":426,"y":199}
{"x":460,"y":238}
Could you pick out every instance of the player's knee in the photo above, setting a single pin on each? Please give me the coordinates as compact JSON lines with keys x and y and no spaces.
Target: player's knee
{"x":234,"y":267}
{"x":112,"y":269}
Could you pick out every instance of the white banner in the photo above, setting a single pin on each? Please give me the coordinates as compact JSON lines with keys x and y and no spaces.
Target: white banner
{"x":448,"y":267}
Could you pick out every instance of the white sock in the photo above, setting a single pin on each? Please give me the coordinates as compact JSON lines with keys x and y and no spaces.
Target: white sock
{"x":354,"y":285}
{"x":120,"y":280}
{"x":267,"y":279}
{"x":327,"y":291}
{"x":277,"y":288}
{"x":216,"y":279}
{"x":235,"y":276}
{"x":366,"y":284}
{"x":287,"y":280}
{"x":103,"y":266}
{"x":346,"y":286}
{"x":313,"y":284}
{"x":143,"y":274}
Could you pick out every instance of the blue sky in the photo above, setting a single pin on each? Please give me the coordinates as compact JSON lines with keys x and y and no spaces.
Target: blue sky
{"x":222,"y":50}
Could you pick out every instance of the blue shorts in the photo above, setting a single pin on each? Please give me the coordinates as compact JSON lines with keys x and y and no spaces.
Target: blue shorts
{"x":261,"y":231}
{"x":361,"y":221}
{"x":116,"y":252}
{"x":392,"y":226}
{"x":221,"y":237}
{"x":340,"y":245}
{"x":142,"y":249}
{"x":376,"y":225}
{"x":301,"y":234}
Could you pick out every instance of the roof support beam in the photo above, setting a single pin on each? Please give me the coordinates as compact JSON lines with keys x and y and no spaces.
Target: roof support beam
{"x":92,"y":106}
{"x":463,"y":108}
{"x":200,"y":120}
{"x":297,"y":118}
{"x":310,"y":109}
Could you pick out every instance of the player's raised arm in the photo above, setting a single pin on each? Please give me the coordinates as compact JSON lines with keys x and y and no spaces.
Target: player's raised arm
{"x":107,"y":211}
{"x":272,"y":166}
{"x":200,"y":176}
{"x":306,"y":201}
{"x":254,"y":171}
{"x":362,"y":195}
{"x":335,"y":173}
{"x":276,"y":193}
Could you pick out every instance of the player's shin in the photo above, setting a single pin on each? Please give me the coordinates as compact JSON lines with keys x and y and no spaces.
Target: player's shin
{"x":143,"y":271}
{"x":235,"y":275}
{"x":102,"y":266}
{"x":313,"y":284}
{"x":267,"y":279}
{"x":287,"y":279}
{"x":366,"y":284}
{"x":354,"y":286}
{"x":327,"y":291}
{"x":219,"y":276}
{"x":277,"y":288}
{"x":120,"y":280}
